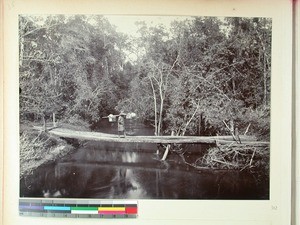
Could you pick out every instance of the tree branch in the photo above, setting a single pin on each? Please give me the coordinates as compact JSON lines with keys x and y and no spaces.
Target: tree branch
{"x":192,"y":117}
{"x":37,"y":29}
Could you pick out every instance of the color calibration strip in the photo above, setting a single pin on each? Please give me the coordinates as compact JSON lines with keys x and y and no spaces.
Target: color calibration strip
{"x":78,"y":208}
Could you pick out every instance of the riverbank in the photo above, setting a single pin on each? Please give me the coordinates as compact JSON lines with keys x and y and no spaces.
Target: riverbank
{"x":38,"y":148}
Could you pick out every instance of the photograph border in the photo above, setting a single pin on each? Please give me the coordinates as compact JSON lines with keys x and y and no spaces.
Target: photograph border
{"x":276,"y":210}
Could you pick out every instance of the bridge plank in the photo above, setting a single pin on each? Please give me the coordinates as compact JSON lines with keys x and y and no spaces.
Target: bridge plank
{"x":98,"y":136}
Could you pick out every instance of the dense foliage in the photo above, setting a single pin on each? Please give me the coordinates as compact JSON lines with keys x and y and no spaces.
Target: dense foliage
{"x":189,"y":78}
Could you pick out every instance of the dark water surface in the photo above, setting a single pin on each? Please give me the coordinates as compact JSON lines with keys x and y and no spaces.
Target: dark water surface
{"x":135,"y":171}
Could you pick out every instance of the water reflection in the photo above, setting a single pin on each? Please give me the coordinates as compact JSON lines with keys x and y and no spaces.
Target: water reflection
{"x":134,"y":171}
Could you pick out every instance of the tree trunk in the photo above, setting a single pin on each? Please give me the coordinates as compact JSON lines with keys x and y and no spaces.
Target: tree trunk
{"x":21,"y":51}
{"x":199,"y":124}
{"x":160,"y":116}
{"x":155,"y":107}
{"x":231,"y":129}
{"x":265,"y":82}
{"x":167,"y":149}
{"x":231,"y":126}
{"x":44,"y":122}
{"x":54,"y":121}
{"x":161,"y":95}
{"x":166,"y":152}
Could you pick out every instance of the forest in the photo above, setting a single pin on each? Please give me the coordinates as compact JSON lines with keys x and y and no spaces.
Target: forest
{"x":187,"y":78}
{"x":198,"y":76}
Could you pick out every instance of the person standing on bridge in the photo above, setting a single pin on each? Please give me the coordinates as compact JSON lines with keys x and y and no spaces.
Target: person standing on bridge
{"x":121,"y":124}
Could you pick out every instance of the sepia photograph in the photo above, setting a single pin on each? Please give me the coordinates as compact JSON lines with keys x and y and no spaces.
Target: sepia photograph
{"x":144,"y":107}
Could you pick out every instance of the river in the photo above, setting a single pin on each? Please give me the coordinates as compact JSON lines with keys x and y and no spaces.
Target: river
{"x":135,"y":171}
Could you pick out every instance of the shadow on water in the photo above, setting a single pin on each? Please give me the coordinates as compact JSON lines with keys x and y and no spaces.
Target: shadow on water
{"x":134,"y":171}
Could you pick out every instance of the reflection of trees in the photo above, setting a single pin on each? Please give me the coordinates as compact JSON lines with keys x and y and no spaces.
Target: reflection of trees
{"x":115,"y":181}
{"x":237,"y":185}
{"x":112,"y":152}
{"x":66,"y":180}
{"x":72,"y":178}
{"x":111,"y":182}
{"x":41,"y":180}
{"x":162,"y":184}
{"x":122,"y":183}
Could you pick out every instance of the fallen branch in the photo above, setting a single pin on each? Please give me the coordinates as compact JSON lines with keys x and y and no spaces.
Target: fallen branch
{"x":235,"y":157}
{"x":252,"y":157}
{"x":222,"y":162}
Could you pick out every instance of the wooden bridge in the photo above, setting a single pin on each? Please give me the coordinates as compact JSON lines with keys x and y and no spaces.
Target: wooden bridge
{"x":167,"y":140}
{"x":98,"y":136}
